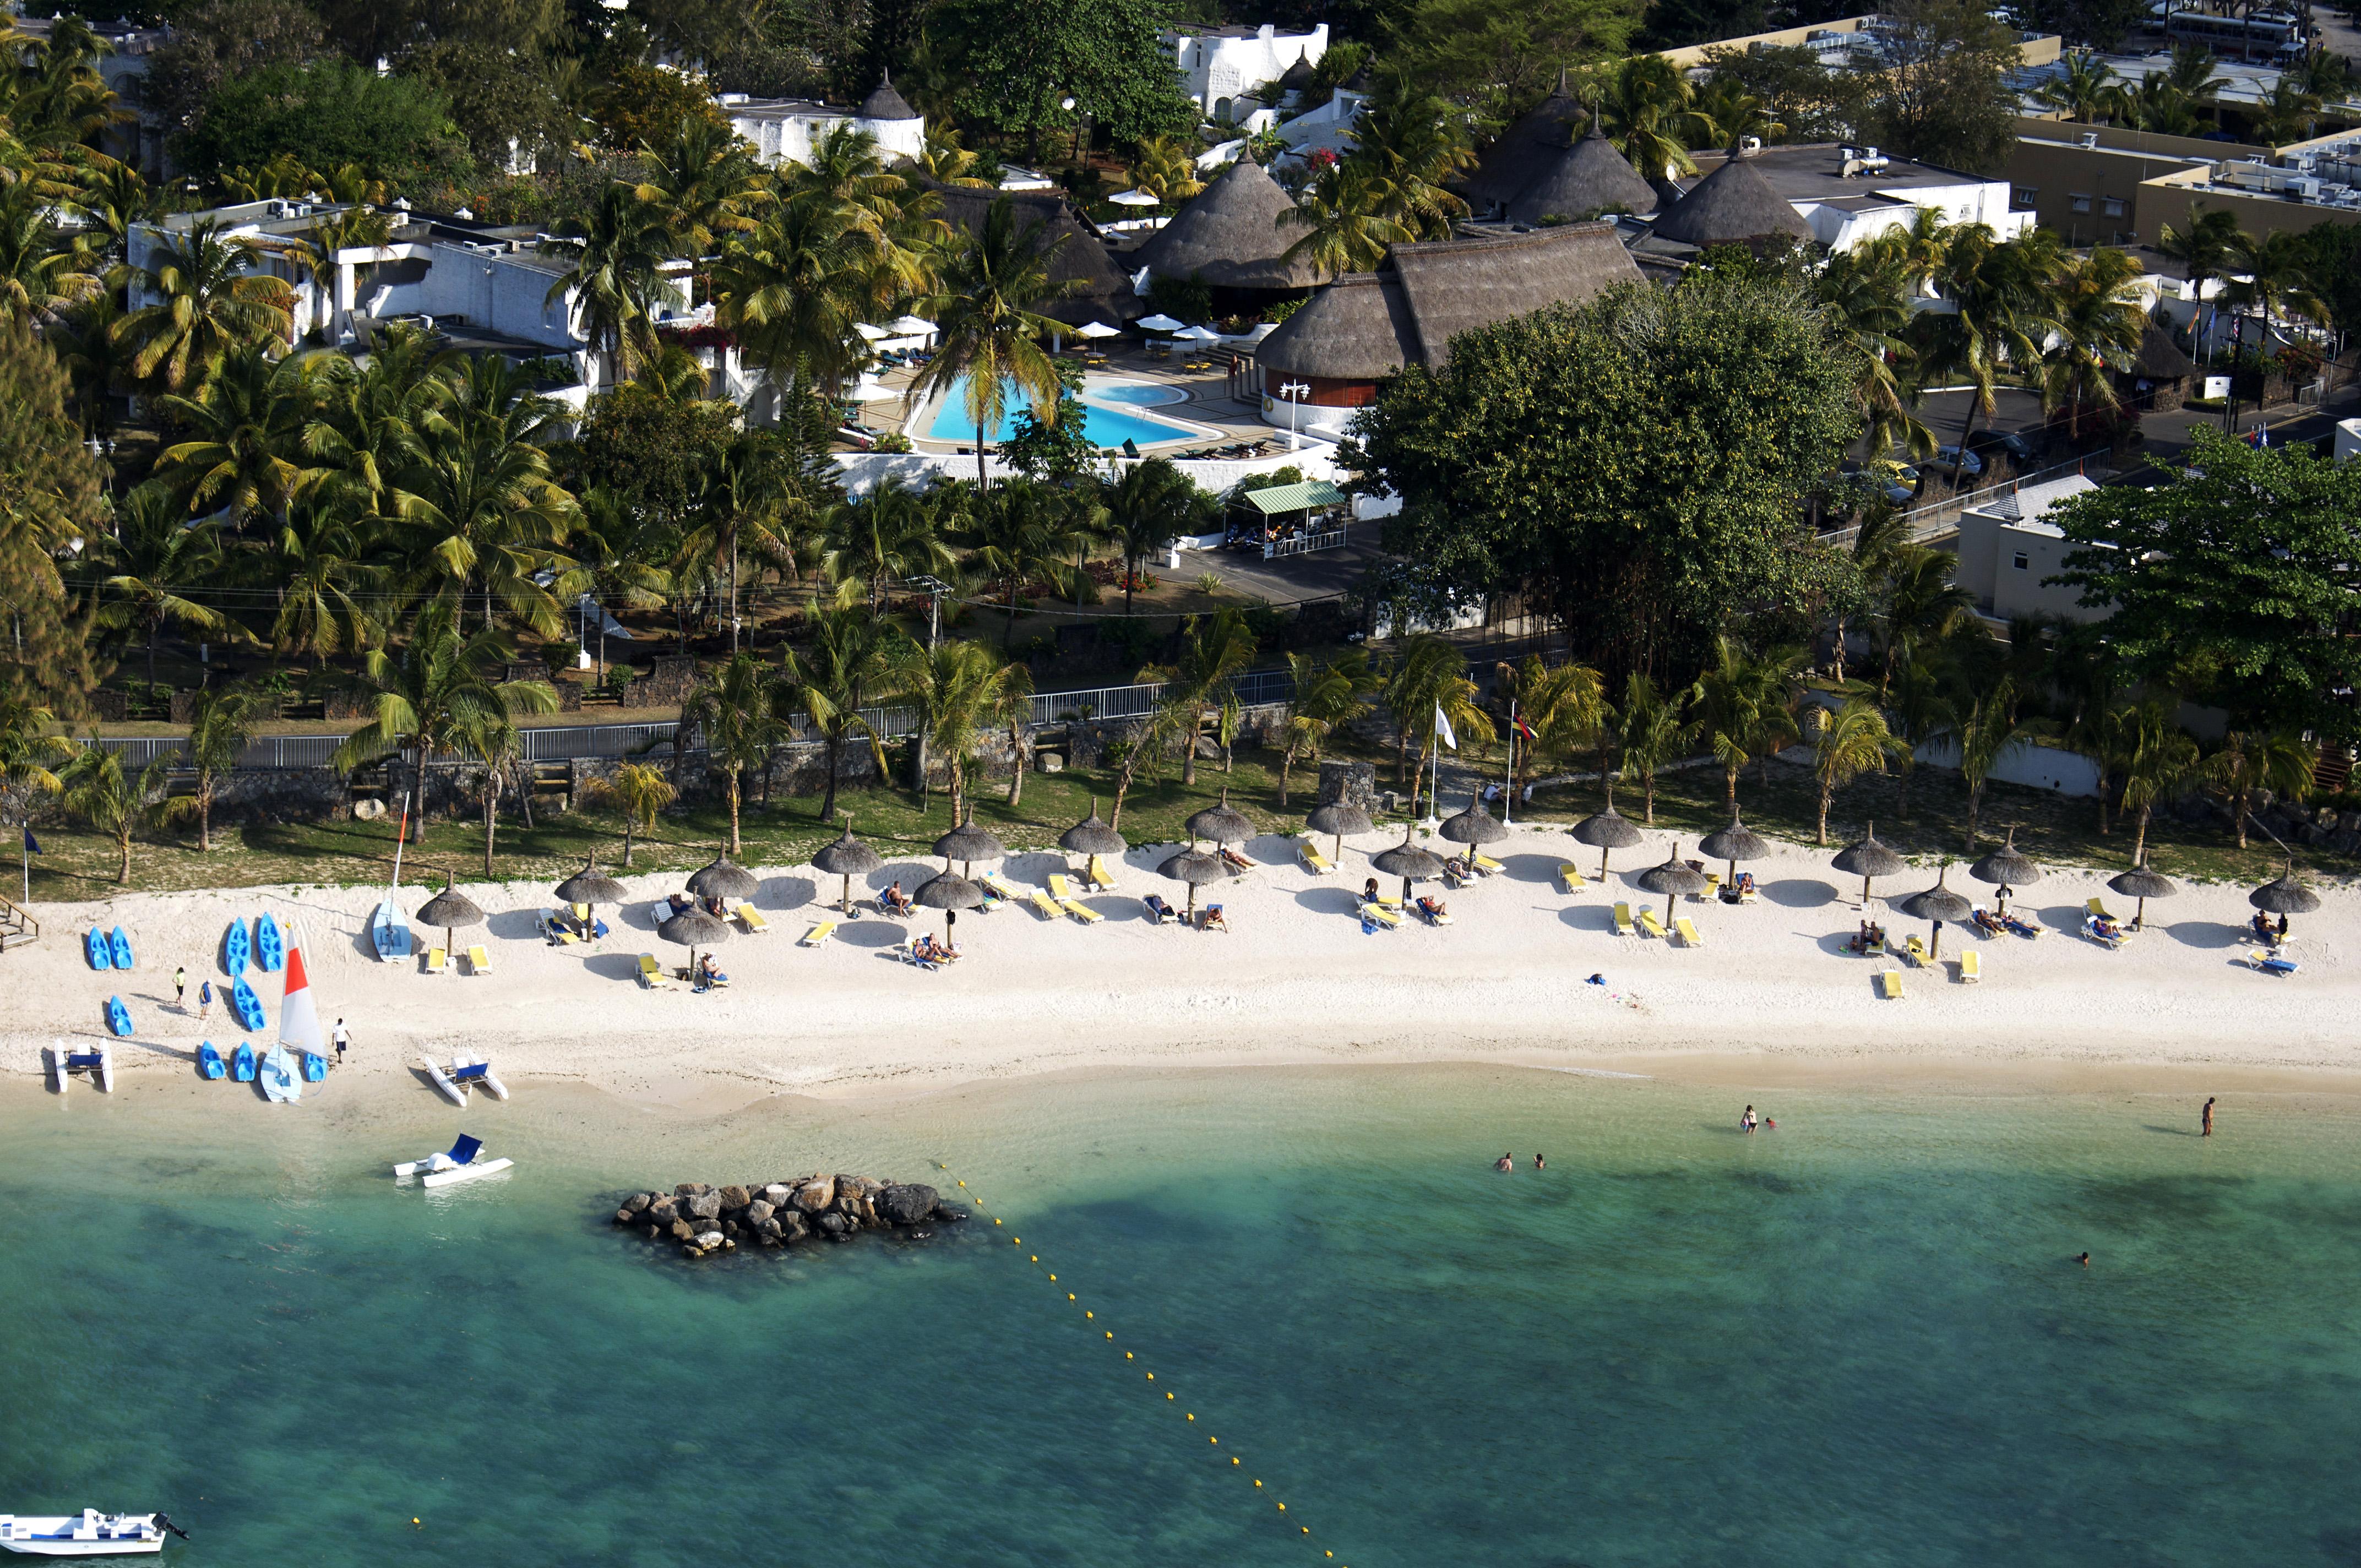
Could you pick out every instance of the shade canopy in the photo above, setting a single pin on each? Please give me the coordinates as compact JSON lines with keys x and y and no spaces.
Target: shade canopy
{"x":1223,"y":823}
{"x":948,"y":891}
{"x":1097,"y":329}
{"x":1197,"y":334}
{"x":1472,"y":826}
{"x":874,"y":333}
{"x":1196,"y":867}
{"x":1136,"y":199}
{"x":846,"y":856}
{"x":911,"y":325}
{"x":2283,"y":896}
{"x":723,"y":879}
{"x":448,"y":909}
{"x":591,"y":885}
{"x":1734,"y":843}
{"x":1608,"y":829}
{"x":869,"y":391}
{"x":2007,"y":868}
{"x":1092,"y":837}
{"x":693,"y":929}
{"x":1675,"y":877}
{"x":1162,"y":323}
{"x":1407,"y":861}
{"x":1865,"y":857}
{"x":1338,"y":818}
{"x":1937,"y":903}
{"x":967,"y":843}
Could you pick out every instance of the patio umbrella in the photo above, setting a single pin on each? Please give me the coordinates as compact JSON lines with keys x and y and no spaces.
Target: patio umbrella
{"x":847,"y":857}
{"x":871,"y":333}
{"x":2009,"y":869}
{"x":1407,"y":861}
{"x":866,"y":390}
{"x":722,"y":878}
{"x":967,"y":844}
{"x":450,"y":910}
{"x":1937,"y":903}
{"x":1161,"y":323}
{"x":1097,"y":329}
{"x":1092,"y":837}
{"x":690,"y":928}
{"x":1605,"y":832}
{"x":1338,"y":818}
{"x":1866,"y":858}
{"x":950,"y":892}
{"x":1734,"y":843}
{"x":2143,"y":884}
{"x":591,"y":885}
{"x":1197,"y":334}
{"x":1196,"y":868}
{"x":1473,"y":826}
{"x":2283,"y":896}
{"x":1136,"y":199}
{"x":1672,"y":879}
{"x":1222,"y":824}
{"x":911,"y":326}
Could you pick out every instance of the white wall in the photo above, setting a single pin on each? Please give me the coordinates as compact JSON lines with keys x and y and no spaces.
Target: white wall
{"x":1213,"y":69}
{"x":778,"y":135}
{"x":2348,"y":439}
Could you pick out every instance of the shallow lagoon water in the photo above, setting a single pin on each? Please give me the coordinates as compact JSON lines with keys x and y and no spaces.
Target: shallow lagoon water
{"x":1859,"y":1339}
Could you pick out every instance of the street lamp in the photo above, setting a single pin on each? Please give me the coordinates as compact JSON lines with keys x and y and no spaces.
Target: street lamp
{"x":934,"y":589}
{"x":1294,"y":392}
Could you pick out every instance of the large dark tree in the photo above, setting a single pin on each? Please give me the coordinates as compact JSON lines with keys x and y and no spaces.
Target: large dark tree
{"x":50,"y":494}
{"x":1018,"y":65}
{"x":1635,"y":465}
{"x":1941,"y":94}
{"x":324,"y":115}
{"x":2234,"y":581}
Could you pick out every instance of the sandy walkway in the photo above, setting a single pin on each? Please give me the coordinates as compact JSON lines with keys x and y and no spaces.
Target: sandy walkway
{"x":1297,"y":982}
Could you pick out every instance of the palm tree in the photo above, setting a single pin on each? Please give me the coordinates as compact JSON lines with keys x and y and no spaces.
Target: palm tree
{"x":1215,"y":650}
{"x":97,"y":790}
{"x":27,"y":752}
{"x":1430,"y":676}
{"x":1652,"y":730}
{"x":39,"y":270}
{"x":155,"y":561}
{"x":221,"y":721}
{"x":702,"y":184}
{"x":207,"y":302}
{"x":945,"y":162}
{"x":2084,"y":88}
{"x":1725,"y":102}
{"x":2272,"y":273}
{"x":1414,"y":144}
{"x":1565,"y":707}
{"x":1020,"y":533}
{"x":1924,"y":703}
{"x":1746,"y":705}
{"x":2156,"y":105}
{"x":1647,"y":108}
{"x":325,"y":589}
{"x":1990,"y":731}
{"x":988,"y":329}
{"x":497,"y":747}
{"x":735,"y":712}
{"x":2000,"y":289}
{"x":1867,"y":292}
{"x":246,"y":426}
{"x":612,"y":287}
{"x":849,"y":663}
{"x":2192,"y":73}
{"x":792,"y":290}
{"x":893,"y":535}
{"x":2106,"y":735}
{"x":438,"y":697}
{"x":92,"y":354}
{"x":1345,"y":214}
{"x":1851,"y":741}
{"x":2162,"y":762}
{"x":615,"y":554}
{"x":640,"y":791}
{"x":1147,"y":507}
{"x":1164,"y":169}
{"x":1326,"y":693}
{"x":2096,"y":322}
{"x":2286,"y":114}
{"x":751,"y":498}
{"x":484,"y":506}
{"x":2206,"y":250}
{"x":956,"y":690}
{"x":2250,"y":759}
{"x":348,"y":228}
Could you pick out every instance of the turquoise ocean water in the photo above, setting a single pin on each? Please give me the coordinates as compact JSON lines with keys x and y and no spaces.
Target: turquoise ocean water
{"x":1857,"y":1340}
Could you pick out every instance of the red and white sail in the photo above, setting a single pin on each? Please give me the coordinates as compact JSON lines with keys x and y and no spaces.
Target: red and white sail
{"x":299,"y":1016}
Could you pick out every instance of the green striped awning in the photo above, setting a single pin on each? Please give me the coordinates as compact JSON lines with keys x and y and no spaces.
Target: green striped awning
{"x":1295,"y":498}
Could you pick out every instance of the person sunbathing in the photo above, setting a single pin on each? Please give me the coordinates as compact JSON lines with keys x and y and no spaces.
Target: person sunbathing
{"x":1213,"y":920}
{"x":1987,"y":921}
{"x":2021,"y":928}
{"x":1458,"y":870}
{"x":1434,"y":910}
{"x":1746,"y":884}
{"x":2105,"y":929}
{"x":895,"y":901}
{"x":1370,"y":891}
{"x":1235,"y":861}
{"x":1157,"y":910}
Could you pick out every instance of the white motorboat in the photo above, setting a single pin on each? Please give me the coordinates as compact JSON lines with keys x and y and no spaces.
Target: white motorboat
{"x":98,"y":1061}
{"x":86,"y":1534}
{"x":460,"y":1164}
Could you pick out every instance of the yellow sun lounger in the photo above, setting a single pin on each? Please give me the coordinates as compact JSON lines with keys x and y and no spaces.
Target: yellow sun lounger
{"x":1061,"y":888}
{"x":1046,"y":904}
{"x":1623,"y":927}
{"x":1889,"y":984}
{"x":1649,"y":924}
{"x":1099,"y":877}
{"x":1571,"y":879}
{"x":582,"y":915}
{"x":1971,"y":967}
{"x":752,"y":918}
{"x":552,"y":928}
{"x":1313,"y":861}
{"x":2097,"y":908}
{"x":1689,"y":937}
{"x":997,"y":888}
{"x":651,"y":973}
{"x":817,"y":934}
{"x":1380,"y":914}
{"x":435,"y":960}
{"x":479,"y":962}
{"x":1485,"y":862}
{"x":1918,"y":950}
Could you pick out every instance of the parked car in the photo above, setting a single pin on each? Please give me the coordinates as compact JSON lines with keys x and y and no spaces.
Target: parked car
{"x":1990,"y":442}
{"x":1951,"y":460}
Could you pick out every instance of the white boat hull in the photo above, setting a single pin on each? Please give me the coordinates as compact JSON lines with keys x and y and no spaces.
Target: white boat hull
{"x":498,"y":1090}
{"x":61,"y":1072}
{"x":87,"y":1534}
{"x":451,"y":1092}
{"x":467,"y":1172}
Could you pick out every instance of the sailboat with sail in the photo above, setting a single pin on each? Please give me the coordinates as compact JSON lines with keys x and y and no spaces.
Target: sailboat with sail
{"x":299,"y":1017}
{"x":388,"y":931}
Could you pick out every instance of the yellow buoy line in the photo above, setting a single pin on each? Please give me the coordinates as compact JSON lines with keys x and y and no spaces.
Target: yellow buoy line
{"x":1149,"y":1380}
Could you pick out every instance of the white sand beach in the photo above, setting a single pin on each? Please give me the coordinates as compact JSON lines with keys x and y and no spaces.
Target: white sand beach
{"x":1296,"y":981}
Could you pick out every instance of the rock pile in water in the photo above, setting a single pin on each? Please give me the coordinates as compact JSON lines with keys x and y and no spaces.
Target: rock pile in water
{"x":703,"y":1219}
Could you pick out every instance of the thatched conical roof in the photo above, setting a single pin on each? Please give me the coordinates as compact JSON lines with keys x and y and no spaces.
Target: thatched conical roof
{"x":2006,"y":866}
{"x":1229,"y":236}
{"x":2141,"y":882}
{"x":1734,"y":202}
{"x":1675,"y":877}
{"x":591,"y":885}
{"x":449,"y":910}
{"x":1092,"y":837}
{"x":693,"y":929}
{"x":1223,"y":824}
{"x":1338,"y":818}
{"x":723,"y":878}
{"x":1407,"y":861}
{"x":1525,"y":151}
{"x":846,"y":856}
{"x":885,"y":104}
{"x":2284,"y":896}
{"x":1867,"y":857}
{"x":1588,"y":177}
{"x":1195,"y":866}
{"x":948,"y":891}
{"x":1735,"y":842}
{"x":967,"y":843}
{"x":1608,"y":829}
{"x":1472,"y":826}
{"x":1937,"y":903}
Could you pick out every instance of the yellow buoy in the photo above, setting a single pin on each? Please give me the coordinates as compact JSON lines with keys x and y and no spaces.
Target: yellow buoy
{"x":1258,"y":1483}
{"x":1110,"y":1333}
{"x":1282,"y":1507}
{"x":1088,"y":1313}
{"x":1127,"y":1354}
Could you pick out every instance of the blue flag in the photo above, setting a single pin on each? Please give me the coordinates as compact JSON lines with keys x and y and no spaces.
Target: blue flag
{"x":32,"y":845}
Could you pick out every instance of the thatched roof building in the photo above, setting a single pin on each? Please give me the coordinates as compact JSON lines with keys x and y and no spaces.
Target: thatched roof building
{"x":1732,"y":205}
{"x":1363,"y":327}
{"x":1588,"y":178}
{"x":1228,"y":235}
{"x":2160,"y":358}
{"x":1102,"y":292}
{"x":1525,"y":151}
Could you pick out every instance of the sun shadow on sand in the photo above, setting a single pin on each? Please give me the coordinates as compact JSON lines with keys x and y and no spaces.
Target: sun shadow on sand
{"x":510,"y":925}
{"x":2207,"y":934}
{"x":1833,"y":943}
{"x":1588,"y":916}
{"x":2168,"y":1131}
{"x":788,"y":893}
{"x":1036,"y":868}
{"x":2059,"y":917}
{"x":1532,"y":868}
{"x":1798,"y":894}
{"x":613,"y":966}
{"x":871,"y":934}
{"x":1329,"y":900}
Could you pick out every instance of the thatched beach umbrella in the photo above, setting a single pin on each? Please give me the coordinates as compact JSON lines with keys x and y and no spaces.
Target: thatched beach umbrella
{"x":1195,"y":866}
{"x":2284,"y":895}
{"x":1091,"y":836}
{"x":2008,"y":869}
{"x":1866,"y":858}
{"x":1734,"y":843}
{"x":1672,"y":879}
{"x":723,"y":878}
{"x":1338,"y":819}
{"x":1937,"y":903}
{"x":449,"y":910}
{"x":1407,"y":861}
{"x":591,"y":886}
{"x":847,"y":857}
{"x":1223,"y":824}
{"x":1605,"y":832}
{"x":2143,"y":884}
{"x":967,"y":843}
{"x":950,"y":892}
{"x":1473,"y":826}
{"x":690,"y":928}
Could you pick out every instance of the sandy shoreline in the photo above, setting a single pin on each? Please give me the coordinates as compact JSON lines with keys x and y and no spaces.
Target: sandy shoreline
{"x":1770,"y":996}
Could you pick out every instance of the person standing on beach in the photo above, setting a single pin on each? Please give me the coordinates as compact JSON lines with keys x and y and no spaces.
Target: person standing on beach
{"x":180,"y":989}
{"x":343,"y":1037}
{"x":2208,"y":1118}
{"x":204,"y":999}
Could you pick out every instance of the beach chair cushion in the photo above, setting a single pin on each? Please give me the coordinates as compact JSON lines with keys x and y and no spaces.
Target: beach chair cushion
{"x":1044,"y":904}
{"x":817,"y":934}
{"x":1971,"y":967}
{"x":1889,"y":984}
{"x":582,"y":915}
{"x":1689,"y":937}
{"x":1918,"y":950}
{"x":435,"y":959}
{"x":2097,"y":908}
{"x":752,"y":918}
{"x":1571,"y":879}
{"x":1623,"y":927}
{"x":556,"y":930}
{"x":479,"y":962}
{"x":1380,"y":914}
{"x":1061,"y":886}
{"x":1081,"y":911}
{"x":1313,"y":861}
{"x":1486,"y":863}
{"x":651,"y":973}
{"x":997,"y":888}
{"x":1100,"y":878}
{"x":1648,"y":923}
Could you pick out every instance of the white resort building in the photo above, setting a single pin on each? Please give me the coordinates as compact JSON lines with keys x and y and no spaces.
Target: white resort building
{"x":787,"y":128}
{"x":1218,"y":64}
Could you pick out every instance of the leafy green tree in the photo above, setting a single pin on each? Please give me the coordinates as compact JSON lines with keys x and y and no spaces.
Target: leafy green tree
{"x":1430,"y":674}
{"x":215,"y":40}
{"x":847,"y":664}
{"x":1327,"y":693}
{"x":1652,"y":729}
{"x":1814,"y":101}
{"x":733,"y":711}
{"x":1992,"y":728}
{"x":323,"y":113}
{"x":2251,"y":760}
{"x":50,"y":494}
{"x":1019,"y":533}
{"x":98,"y":791}
{"x":1501,"y":60}
{"x":2331,"y":253}
{"x":1215,"y":650}
{"x":2242,"y":563}
{"x":642,"y":102}
{"x":245,"y":427}
{"x":1148,"y":505}
{"x":149,"y":570}
{"x":1942,"y":87}
{"x":500,"y":98}
{"x":988,"y":326}
{"x":1746,"y":705}
{"x":639,"y":791}
{"x":1028,"y":71}
{"x":221,"y":721}
{"x":957,"y":689}
{"x":1848,"y":741}
{"x":616,"y":248}
{"x":890,"y":535}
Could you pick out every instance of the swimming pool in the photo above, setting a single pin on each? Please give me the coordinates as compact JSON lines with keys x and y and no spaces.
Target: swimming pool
{"x":1105,"y":423}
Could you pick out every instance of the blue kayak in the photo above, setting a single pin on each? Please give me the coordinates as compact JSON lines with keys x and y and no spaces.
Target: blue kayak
{"x":118,"y":1017}
{"x":269,"y":948}
{"x":118,"y":947}
{"x":241,"y":1063}
{"x":235,"y":949}
{"x":245,"y":1005}
{"x":94,"y":946}
{"x":315,"y":1067}
{"x":209,"y":1062}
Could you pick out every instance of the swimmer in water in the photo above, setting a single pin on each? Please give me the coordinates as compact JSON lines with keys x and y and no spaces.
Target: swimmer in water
{"x":1506,"y":1162}
{"x":2084,"y":1260}
{"x":1537,"y":1162}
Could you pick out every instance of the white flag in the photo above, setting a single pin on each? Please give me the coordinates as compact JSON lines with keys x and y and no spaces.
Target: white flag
{"x":1443,"y":728}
